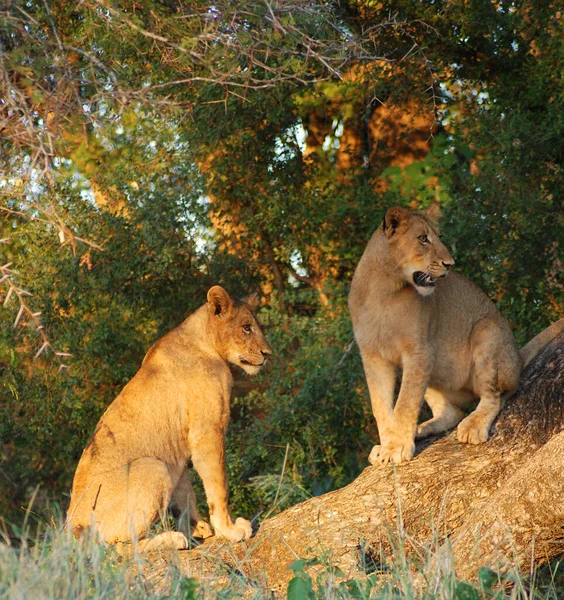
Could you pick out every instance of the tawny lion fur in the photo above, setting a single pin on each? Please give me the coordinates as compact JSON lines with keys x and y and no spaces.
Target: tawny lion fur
{"x":449,"y":340}
{"x":174,"y":409}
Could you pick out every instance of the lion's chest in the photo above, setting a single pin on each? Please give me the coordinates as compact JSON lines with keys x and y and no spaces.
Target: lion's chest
{"x":207,"y":402}
{"x":395,"y":328}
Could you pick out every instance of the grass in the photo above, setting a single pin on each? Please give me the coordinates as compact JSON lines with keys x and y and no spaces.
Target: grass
{"x":51,"y":564}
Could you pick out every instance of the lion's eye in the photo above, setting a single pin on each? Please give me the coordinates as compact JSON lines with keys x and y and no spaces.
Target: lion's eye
{"x":247,"y":328}
{"x":423,"y":239}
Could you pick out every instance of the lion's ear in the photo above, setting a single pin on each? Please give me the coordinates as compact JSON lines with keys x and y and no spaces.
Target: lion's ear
{"x":219,"y":300}
{"x":393,"y":219}
{"x":252,"y":301}
{"x":433,"y":212}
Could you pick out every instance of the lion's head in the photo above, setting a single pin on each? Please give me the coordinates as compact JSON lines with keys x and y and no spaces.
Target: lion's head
{"x":414,"y":244}
{"x":237,"y":333}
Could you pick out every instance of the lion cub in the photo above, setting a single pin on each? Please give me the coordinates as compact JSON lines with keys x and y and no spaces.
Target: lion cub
{"x":174,"y":409}
{"x":449,"y":340}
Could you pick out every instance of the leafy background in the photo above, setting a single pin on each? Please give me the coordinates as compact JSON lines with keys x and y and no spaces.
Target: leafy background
{"x":152,"y":149}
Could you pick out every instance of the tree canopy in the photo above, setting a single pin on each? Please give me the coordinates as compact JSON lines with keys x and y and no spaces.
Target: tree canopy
{"x":150,"y":149}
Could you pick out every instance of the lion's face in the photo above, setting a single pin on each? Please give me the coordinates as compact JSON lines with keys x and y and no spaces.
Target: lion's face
{"x":414,"y":244}
{"x":237,"y":332}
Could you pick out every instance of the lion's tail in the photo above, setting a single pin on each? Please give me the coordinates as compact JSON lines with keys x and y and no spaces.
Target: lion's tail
{"x":532,"y":348}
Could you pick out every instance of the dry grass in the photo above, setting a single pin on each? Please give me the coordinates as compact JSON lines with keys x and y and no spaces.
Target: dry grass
{"x":51,"y":564}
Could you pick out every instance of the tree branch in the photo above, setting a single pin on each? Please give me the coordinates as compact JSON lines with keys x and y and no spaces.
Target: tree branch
{"x":507,"y":490}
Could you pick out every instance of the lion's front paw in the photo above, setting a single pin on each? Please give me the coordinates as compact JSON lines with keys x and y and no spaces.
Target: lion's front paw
{"x":392,"y":453}
{"x":178,"y":540}
{"x":244,"y":528}
{"x":239,"y":531}
{"x":473,"y":430}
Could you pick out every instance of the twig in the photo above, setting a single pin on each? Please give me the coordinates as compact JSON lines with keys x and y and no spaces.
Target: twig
{"x":6,"y":277}
{"x":275,"y":503}
{"x":60,"y":225}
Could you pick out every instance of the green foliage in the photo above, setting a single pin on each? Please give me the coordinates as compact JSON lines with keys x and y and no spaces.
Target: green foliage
{"x":465,"y":591}
{"x":188,"y":589}
{"x":311,"y":420}
{"x":196,"y":144}
{"x":318,"y":578}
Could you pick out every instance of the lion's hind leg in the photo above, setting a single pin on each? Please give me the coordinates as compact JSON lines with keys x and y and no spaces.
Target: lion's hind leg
{"x":495,"y":371}
{"x":446,"y":411}
{"x":475,"y":428}
{"x":184,"y":501}
{"x":132,"y":500}
{"x":167,"y":539}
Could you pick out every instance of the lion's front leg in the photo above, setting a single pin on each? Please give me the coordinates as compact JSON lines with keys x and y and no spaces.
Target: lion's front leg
{"x":399,"y":446}
{"x":381,"y":380}
{"x":208,"y":458}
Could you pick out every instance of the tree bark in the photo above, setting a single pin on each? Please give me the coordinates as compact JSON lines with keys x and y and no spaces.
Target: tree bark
{"x":498,"y":504}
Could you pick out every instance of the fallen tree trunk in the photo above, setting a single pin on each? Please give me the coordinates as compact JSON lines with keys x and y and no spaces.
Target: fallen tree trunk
{"x":496,"y":504}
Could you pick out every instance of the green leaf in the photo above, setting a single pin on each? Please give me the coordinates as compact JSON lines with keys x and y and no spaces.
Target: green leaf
{"x":297,"y":565}
{"x":189,"y":588}
{"x":465,"y":591}
{"x":299,"y":589}
{"x":487,"y":578}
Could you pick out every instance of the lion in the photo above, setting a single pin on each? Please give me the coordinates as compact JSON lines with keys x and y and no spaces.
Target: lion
{"x":449,"y":340}
{"x":174,"y":409}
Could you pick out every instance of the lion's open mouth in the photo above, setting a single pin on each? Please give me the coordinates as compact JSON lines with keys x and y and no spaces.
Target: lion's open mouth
{"x":244,"y":361}
{"x":423,"y":279}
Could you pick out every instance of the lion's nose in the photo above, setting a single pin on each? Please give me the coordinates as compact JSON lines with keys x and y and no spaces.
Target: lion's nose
{"x":447,"y":264}
{"x":266,"y":353}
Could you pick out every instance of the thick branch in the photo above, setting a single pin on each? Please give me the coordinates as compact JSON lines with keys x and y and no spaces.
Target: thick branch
{"x":522,"y":521}
{"x":513,"y":483}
